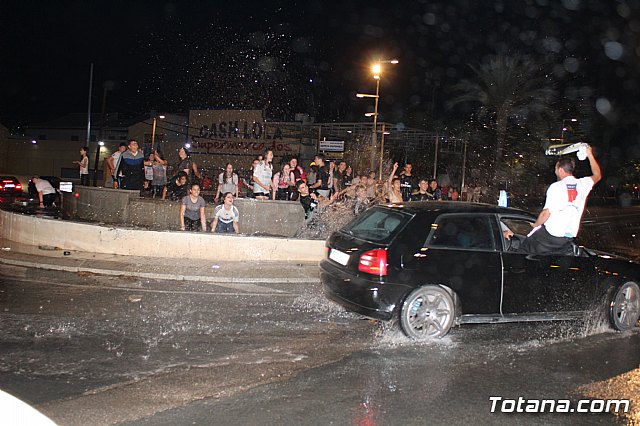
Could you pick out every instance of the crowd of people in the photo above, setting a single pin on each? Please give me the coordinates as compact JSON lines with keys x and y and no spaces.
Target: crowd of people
{"x":323,"y":183}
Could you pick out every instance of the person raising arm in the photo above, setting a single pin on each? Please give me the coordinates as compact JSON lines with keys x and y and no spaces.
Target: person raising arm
{"x":559,"y":221}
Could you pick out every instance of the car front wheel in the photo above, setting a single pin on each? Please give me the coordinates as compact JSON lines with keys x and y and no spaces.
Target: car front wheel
{"x":625,"y":307}
{"x":428,"y":312}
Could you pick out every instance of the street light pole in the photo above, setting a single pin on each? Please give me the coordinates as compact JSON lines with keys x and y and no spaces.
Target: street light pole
{"x":374,"y":135}
{"x":381,"y":150}
{"x":377,"y":71}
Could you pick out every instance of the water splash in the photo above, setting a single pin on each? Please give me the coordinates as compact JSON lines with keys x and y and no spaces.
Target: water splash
{"x":317,"y":303}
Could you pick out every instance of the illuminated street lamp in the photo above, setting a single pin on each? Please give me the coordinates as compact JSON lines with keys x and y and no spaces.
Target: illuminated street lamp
{"x":376,"y":69}
{"x":153,"y":130}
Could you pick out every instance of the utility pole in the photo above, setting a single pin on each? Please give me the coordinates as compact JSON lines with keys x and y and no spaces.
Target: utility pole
{"x":435,"y":159}
{"x":102,"y":125}
{"x":89,"y":108}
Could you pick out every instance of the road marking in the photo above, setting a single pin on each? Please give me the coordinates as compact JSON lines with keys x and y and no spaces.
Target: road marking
{"x":247,"y":289}
{"x":159,"y":276}
{"x":13,"y":271}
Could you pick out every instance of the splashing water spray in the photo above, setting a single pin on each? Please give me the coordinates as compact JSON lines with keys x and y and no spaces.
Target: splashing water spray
{"x":563,"y":149}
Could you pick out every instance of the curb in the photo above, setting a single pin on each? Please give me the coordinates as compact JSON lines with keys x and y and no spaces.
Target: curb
{"x":158,"y":276}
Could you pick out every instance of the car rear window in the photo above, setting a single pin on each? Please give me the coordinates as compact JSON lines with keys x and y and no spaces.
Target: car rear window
{"x":377,"y":224}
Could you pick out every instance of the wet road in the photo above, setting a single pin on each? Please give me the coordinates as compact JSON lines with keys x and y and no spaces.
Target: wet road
{"x":113,"y":350}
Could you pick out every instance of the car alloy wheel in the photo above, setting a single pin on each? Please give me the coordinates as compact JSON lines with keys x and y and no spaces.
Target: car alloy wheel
{"x":625,"y":307}
{"x":428,"y":312}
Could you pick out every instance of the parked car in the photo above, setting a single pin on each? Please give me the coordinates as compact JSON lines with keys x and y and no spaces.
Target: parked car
{"x":432,"y":265}
{"x":10,"y":185}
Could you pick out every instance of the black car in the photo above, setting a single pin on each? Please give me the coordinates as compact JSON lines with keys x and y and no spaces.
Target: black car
{"x":10,"y":185}
{"x":433,"y":265}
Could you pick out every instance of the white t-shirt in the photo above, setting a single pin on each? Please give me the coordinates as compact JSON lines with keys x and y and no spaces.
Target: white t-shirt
{"x":45,"y":187}
{"x":226,"y":185}
{"x":565,"y":201}
{"x":263,"y":171}
{"x":227,"y":216}
{"x":84,"y":166}
{"x":116,"y":161}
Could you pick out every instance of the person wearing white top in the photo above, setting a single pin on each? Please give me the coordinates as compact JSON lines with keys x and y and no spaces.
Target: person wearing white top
{"x":262,"y":175}
{"x":83,"y":165}
{"x":46,"y":192}
{"x":226,"y":216}
{"x":227,"y":182}
{"x":112,"y":163}
{"x":558,"y":223}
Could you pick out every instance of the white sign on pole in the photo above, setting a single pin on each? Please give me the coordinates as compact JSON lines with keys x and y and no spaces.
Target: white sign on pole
{"x":332,"y":146}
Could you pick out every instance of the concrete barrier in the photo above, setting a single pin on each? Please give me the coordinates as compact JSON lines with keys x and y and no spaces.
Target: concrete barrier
{"x":106,"y":205}
{"x":114,"y":206}
{"x":271,"y":218}
{"x":168,"y":244}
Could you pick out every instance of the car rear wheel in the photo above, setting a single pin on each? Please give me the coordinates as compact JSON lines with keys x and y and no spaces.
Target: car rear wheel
{"x":625,"y":307}
{"x":428,"y":312}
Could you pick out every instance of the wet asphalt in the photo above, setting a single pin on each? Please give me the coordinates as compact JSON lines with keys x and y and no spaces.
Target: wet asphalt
{"x":83,"y":347}
{"x":259,"y":344}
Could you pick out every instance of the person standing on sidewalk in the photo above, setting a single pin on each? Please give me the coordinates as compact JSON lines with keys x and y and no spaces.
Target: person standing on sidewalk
{"x":83,"y":165}
{"x":558,"y":223}
{"x":227,"y":182}
{"x":131,"y":168}
{"x":262,"y":174}
{"x":159,"y":169}
{"x":321,"y":184}
{"x":112,"y":162}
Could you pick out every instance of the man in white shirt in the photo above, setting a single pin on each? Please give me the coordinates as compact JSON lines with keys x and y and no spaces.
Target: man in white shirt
{"x":46,"y":192}
{"x":112,"y":165}
{"x":559,"y":222}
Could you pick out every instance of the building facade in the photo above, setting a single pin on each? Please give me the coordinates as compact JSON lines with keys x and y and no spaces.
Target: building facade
{"x":214,"y":138}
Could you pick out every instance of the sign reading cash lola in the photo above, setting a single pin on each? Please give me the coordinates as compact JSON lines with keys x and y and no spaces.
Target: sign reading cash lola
{"x":240,"y":132}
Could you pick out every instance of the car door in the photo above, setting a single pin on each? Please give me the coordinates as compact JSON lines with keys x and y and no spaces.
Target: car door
{"x":545,"y":282}
{"x":461,"y":253}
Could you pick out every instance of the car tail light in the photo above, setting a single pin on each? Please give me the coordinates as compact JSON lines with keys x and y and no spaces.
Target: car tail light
{"x":374,"y":262}
{"x":18,"y":186}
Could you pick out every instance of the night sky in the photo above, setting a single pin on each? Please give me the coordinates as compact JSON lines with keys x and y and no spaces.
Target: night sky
{"x":307,"y":56}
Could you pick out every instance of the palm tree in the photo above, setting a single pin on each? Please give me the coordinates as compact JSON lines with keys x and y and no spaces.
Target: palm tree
{"x":506,"y":86}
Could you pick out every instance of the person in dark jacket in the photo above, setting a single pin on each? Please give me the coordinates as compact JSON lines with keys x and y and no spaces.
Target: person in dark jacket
{"x":131,"y":167}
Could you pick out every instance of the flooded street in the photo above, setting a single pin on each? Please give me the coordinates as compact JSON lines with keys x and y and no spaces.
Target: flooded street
{"x":184,"y":187}
{"x":121,"y":350}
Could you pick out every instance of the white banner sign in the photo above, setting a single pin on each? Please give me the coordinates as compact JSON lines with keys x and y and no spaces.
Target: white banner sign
{"x":332,"y":146}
